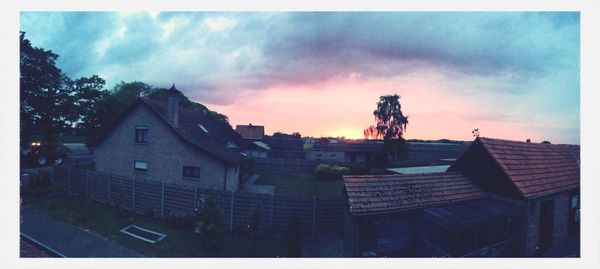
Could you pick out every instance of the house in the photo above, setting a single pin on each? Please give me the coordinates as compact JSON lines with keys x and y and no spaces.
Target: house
{"x":499,"y":198}
{"x":255,"y":135}
{"x":426,"y":215}
{"x":161,"y":141}
{"x":345,"y":152}
{"x":543,"y":177}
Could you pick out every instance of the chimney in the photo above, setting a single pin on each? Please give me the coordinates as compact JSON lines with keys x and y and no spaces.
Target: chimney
{"x":173,"y":105}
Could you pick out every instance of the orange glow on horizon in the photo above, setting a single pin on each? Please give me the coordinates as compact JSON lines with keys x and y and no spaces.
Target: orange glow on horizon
{"x":344,"y":106}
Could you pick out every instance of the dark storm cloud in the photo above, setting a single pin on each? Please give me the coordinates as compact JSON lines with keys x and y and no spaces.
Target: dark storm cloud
{"x":252,"y":51}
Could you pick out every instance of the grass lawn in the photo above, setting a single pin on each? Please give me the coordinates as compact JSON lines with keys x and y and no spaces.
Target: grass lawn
{"x":107,"y":221}
{"x":286,"y":184}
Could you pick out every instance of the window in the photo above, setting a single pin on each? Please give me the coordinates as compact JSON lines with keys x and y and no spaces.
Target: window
{"x":191,"y":171}
{"x":140,"y":166}
{"x":331,"y":155}
{"x":318,"y":155}
{"x":141,"y":135}
{"x":202,"y":128}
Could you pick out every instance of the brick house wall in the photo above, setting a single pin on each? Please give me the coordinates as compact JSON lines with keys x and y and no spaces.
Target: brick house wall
{"x":165,"y":153}
{"x":560,"y":226}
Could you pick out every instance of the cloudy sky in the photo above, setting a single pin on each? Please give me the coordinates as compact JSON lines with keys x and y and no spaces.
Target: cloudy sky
{"x":512,"y":75}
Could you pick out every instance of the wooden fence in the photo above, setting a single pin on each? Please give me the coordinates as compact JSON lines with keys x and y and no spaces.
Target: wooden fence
{"x":317,"y":215}
{"x":281,"y":165}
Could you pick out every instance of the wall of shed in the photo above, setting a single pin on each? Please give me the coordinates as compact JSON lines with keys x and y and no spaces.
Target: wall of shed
{"x":561,"y":221}
{"x":325,"y":156}
{"x":166,"y":154}
{"x":384,"y":235}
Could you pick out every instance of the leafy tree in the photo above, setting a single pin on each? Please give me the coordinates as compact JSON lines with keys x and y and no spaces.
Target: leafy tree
{"x":90,"y":100}
{"x":46,"y":105}
{"x":161,"y":95}
{"x":208,"y":223}
{"x":390,"y":125}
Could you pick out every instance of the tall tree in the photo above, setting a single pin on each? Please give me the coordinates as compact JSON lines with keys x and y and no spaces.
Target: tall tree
{"x":46,"y":105}
{"x":390,"y":125}
{"x":90,"y":99}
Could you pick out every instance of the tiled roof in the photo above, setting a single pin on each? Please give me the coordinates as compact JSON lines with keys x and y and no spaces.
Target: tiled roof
{"x":214,"y":141}
{"x":392,"y":193}
{"x":536,"y":169}
{"x":251,"y":131}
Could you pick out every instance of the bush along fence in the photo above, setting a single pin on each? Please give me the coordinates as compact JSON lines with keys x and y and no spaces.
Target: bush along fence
{"x":317,"y":216}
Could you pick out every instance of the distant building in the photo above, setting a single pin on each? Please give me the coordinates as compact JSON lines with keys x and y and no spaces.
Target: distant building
{"x":251,"y":132}
{"x":161,"y":141}
{"x":255,"y":135}
{"x":345,"y":152}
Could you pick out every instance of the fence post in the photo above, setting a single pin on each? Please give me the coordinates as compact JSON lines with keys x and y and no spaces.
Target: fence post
{"x":69,"y":178}
{"x":108,"y":195}
{"x":195,"y":198}
{"x":314,"y":217}
{"x":87,"y":183}
{"x":231,"y":212}
{"x":133,"y":196}
{"x":162,"y":199}
{"x":271,"y":220}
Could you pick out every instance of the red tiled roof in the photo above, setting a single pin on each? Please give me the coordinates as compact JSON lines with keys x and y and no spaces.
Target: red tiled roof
{"x":392,"y":193}
{"x":536,"y":169}
{"x":251,"y":131}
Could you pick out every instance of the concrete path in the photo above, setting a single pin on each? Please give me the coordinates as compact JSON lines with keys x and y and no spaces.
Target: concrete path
{"x":68,"y":240}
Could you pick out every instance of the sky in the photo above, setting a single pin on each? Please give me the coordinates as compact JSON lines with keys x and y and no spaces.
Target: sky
{"x":511,"y":75}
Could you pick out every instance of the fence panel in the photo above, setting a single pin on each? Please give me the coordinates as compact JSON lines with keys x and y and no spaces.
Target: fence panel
{"x":179,"y":200}
{"x":317,"y":216}
{"x":244,"y":207}
{"x":121,"y":189}
{"x":97,"y":184}
{"x":147,"y":196}
{"x":281,"y":165}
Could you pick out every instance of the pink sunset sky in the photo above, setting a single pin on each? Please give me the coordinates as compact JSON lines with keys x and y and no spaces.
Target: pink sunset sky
{"x":513,"y":75}
{"x":343,"y":106}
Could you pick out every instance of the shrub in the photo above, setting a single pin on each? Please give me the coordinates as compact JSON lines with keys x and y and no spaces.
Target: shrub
{"x":330,"y":172}
{"x":208,"y":223}
{"x":181,"y":222}
{"x":149,"y":212}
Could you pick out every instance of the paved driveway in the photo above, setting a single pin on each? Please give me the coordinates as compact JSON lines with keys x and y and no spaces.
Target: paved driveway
{"x":68,"y":240}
